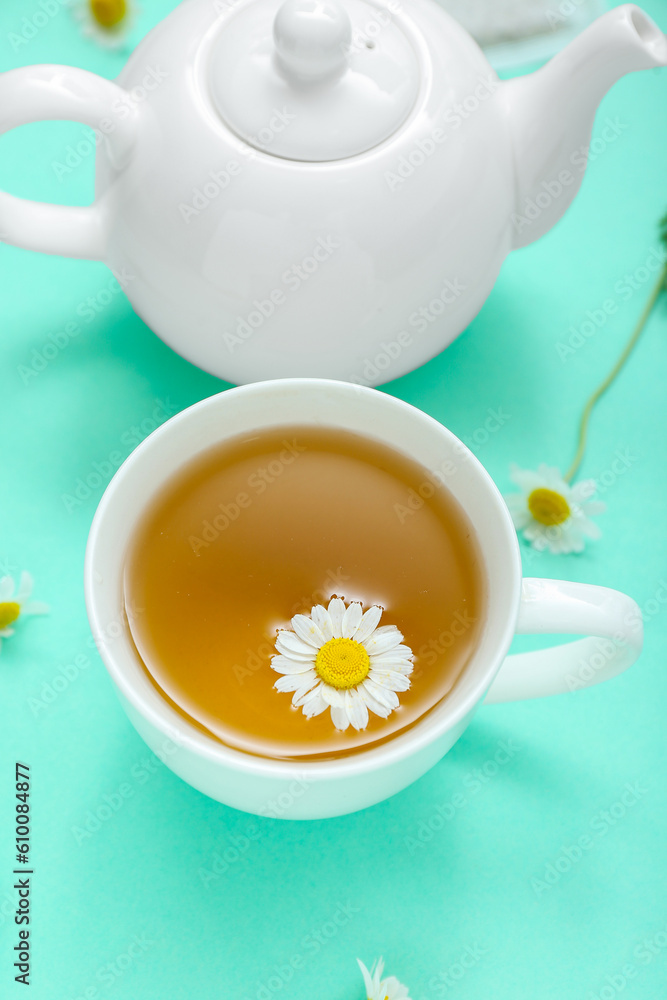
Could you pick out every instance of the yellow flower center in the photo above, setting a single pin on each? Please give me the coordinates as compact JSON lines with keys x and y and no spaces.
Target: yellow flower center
{"x":342,"y":663}
{"x":548,"y":507}
{"x":9,"y":612}
{"x":108,"y":13}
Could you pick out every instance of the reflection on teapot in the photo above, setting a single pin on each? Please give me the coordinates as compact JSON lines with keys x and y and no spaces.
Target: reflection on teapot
{"x":318,"y":188}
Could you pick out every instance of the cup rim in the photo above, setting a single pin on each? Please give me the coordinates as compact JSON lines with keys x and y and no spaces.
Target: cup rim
{"x":177,"y":728}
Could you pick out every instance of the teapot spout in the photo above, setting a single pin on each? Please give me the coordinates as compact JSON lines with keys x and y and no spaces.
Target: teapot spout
{"x":551,"y":112}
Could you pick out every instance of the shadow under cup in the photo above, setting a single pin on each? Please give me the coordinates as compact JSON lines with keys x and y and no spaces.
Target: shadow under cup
{"x":310,"y":403}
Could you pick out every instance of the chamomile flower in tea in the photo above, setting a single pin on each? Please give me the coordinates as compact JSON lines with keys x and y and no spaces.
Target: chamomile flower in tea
{"x":339,"y":658}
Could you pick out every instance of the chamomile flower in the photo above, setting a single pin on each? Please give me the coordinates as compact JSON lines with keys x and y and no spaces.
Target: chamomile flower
{"x":378,"y":988}
{"x":14,"y":603}
{"x":551,"y":513}
{"x":106,"y":21}
{"x":338,"y":658}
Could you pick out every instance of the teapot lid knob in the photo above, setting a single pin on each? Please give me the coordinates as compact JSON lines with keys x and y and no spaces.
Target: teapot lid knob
{"x":312,"y":38}
{"x":314,"y":80}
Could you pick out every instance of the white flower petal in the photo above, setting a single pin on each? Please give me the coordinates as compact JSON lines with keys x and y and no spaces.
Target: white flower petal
{"x":35,"y":608}
{"x":340,"y":718}
{"x":368,"y":624}
{"x":333,"y":696}
{"x":573,"y":530}
{"x":313,"y":704}
{"x":515,"y":501}
{"x":355,"y":707}
{"x":286,"y":665}
{"x":290,"y":645}
{"x":307,"y":631}
{"x":378,"y":707}
{"x":584,"y":490}
{"x":391,"y":679}
{"x":387,"y":630}
{"x":351,"y":620}
{"x":382,"y":640}
{"x":391,"y":989}
{"x":6,"y":632}
{"x":535,"y":530}
{"x":552,"y":479}
{"x":377,"y":988}
{"x":336,"y":612}
{"x":296,"y":682}
{"x":561,"y":539}
{"x":368,"y":983}
{"x":6,"y":588}
{"x":24,"y":588}
{"x":539,"y":543}
{"x":384,"y":695}
{"x":520,"y":519}
{"x":399,"y":652}
{"x":593,"y":507}
{"x":322,"y":619}
{"x":565,"y":545}
{"x":525,"y":479}
{"x":590,"y":528}
{"x":399,"y":666}
{"x":516,"y":504}
{"x":378,"y":969}
{"x":305,"y":691}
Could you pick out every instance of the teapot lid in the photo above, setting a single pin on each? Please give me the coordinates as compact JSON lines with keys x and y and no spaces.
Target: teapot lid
{"x":313,"y":80}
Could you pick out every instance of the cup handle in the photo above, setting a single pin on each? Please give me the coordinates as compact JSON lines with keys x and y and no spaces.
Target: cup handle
{"x":39,"y":93}
{"x":611,"y":621}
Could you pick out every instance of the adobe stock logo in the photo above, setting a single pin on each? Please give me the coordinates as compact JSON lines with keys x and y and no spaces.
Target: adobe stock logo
{"x":291,"y":279}
{"x":201,"y":197}
{"x":426,"y":146}
{"x":32,"y":25}
{"x":600,"y":825}
{"x":553,"y":188}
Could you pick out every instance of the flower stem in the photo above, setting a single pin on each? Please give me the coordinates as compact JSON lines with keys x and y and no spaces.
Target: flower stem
{"x":660,"y":286}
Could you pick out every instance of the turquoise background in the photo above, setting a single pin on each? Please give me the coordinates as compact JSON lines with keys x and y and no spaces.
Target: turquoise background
{"x":383,"y":881}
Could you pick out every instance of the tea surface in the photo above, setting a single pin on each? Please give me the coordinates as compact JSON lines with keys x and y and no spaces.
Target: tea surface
{"x":263,"y":527}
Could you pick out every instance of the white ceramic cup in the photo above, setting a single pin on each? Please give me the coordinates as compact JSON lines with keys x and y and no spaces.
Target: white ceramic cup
{"x":302,"y":790}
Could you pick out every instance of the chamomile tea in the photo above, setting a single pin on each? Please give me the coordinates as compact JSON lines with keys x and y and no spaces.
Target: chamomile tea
{"x":308,"y":565}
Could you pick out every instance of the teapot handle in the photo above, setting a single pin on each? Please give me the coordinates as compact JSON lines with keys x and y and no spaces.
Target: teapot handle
{"x":38,"y":93}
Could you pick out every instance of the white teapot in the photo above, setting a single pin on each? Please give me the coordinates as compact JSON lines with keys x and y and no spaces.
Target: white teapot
{"x":318,"y":187}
